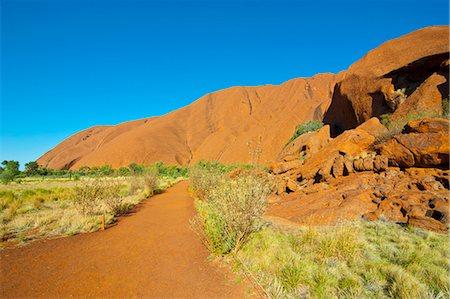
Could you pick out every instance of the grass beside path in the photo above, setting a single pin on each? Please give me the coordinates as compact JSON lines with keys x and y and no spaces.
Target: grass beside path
{"x":41,"y":208}
{"x":350,"y":260}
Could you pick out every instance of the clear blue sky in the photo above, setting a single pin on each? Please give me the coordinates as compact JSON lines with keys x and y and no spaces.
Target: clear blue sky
{"x":68,"y":65}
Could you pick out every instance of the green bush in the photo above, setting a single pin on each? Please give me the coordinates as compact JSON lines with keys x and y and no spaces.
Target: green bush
{"x":123,"y":171}
{"x":203,"y":179}
{"x":231,"y":212}
{"x":88,"y":195}
{"x":151,"y":183}
{"x":310,"y":126}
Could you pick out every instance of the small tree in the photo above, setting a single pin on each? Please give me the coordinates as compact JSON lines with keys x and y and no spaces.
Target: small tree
{"x":106,"y":170}
{"x":136,"y":169}
{"x":123,"y":171}
{"x":11,"y":171}
{"x":31,"y":168}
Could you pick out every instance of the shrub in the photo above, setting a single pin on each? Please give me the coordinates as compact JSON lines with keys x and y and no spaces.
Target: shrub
{"x":203,"y":180}
{"x":136,"y":169}
{"x":231,"y":212}
{"x":88,"y":196}
{"x":310,"y":126}
{"x":113,"y":198}
{"x":151,"y":183}
{"x":123,"y":171}
{"x":135,"y":184}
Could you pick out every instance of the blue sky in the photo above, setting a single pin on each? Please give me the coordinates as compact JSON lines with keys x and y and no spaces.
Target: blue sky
{"x":69,"y":65}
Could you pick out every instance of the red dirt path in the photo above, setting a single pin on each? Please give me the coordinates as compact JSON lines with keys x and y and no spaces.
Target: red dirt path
{"x":151,"y":253}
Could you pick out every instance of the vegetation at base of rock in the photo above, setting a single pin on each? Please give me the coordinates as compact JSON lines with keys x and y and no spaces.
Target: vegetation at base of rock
{"x":350,"y":260}
{"x":231,"y":212}
{"x":310,"y":126}
{"x":229,"y":209}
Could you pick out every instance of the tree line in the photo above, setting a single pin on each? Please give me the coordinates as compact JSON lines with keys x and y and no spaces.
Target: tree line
{"x":10,"y":171}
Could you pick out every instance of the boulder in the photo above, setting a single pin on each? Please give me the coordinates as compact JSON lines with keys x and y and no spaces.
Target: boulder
{"x":428,"y":149}
{"x":373,"y":127}
{"x":348,"y":166}
{"x":427,"y":125}
{"x":291,"y":186}
{"x":368,"y":163}
{"x":306,"y":144}
{"x":397,"y":154}
{"x":338,"y":166}
{"x":400,"y":76}
{"x":393,"y":194}
{"x":380,"y":163}
{"x":283,"y":167}
{"x":358,"y":164}
{"x":350,"y":143}
{"x":425,"y":99}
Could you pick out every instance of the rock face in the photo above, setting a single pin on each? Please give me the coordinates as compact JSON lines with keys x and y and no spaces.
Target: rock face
{"x":400,"y":76}
{"x":415,"y":197}
{"x":231,"y":125}
{"x":253,"y":124}
{"x":422,"y":143}
{"x":350,"y":178}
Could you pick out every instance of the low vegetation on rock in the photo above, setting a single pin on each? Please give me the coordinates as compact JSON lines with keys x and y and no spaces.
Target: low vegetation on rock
{"x":307,"y":127}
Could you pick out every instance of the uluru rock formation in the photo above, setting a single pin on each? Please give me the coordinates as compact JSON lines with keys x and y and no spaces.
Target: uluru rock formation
{"x":253,"y":124}
{"x":228,"y":126}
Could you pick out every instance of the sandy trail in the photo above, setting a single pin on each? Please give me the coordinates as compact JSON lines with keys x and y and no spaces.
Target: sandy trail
{"x":151,"y":253}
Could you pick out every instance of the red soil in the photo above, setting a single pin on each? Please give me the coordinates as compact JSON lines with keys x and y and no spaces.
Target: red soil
{"x":151,"y":253}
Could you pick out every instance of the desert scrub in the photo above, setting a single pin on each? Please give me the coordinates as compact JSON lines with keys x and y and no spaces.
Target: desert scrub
{"x":307,"y":127}
{"x":88,"y":196}
{"x":349,"y":260}
{"x":231,"y":212}
{"x":151,"y":183}
{"x":203,"y":180}
{"x":49,"y":209}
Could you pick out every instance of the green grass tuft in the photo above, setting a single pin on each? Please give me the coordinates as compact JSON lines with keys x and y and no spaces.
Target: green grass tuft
{"x":349,"y":260}
{"x":310,"y":126}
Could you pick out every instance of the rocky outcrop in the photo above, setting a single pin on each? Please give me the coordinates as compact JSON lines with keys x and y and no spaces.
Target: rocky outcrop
{"x":423,"y":143}
{"x":414,"y":197}
{"x":331,"y":157}
{"x":350,"y":178}
{"x":305,"y":145}
{"x":401,"y":76}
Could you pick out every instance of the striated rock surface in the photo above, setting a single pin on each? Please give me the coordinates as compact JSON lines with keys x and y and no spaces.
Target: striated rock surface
{"x":229,"y":125}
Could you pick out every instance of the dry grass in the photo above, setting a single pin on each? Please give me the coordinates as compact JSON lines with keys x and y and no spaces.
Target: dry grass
{"x":230,"y":209}
{"x":64,"y":207}
{"x":350,"y":260}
